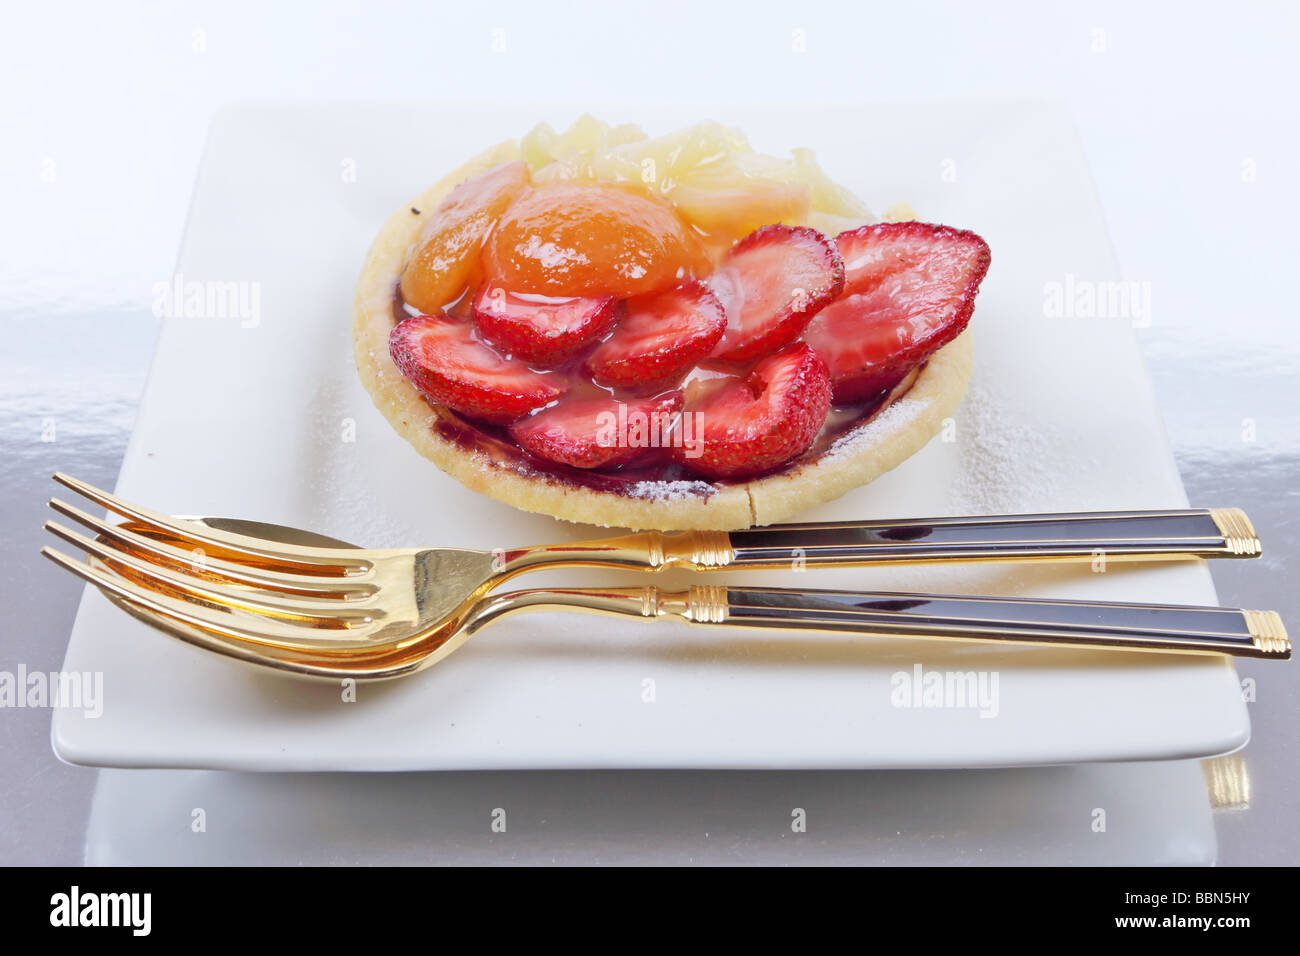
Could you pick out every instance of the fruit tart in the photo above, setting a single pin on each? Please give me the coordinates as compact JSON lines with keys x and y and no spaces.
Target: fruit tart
{"x":662,"y":333}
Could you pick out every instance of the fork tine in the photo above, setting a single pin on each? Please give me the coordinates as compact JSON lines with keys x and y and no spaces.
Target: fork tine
{"x":263,"y":632}
{"x":262,"y":577}
{"x":293,"y":660}
{"x":237,"y":546}
{"x":324,"y":613}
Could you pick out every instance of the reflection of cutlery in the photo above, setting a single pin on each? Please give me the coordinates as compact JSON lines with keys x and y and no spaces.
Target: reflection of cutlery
{"x":299,"y":602}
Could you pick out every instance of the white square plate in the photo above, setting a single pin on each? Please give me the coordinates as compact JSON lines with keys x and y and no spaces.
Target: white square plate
{"x":267,"y":420}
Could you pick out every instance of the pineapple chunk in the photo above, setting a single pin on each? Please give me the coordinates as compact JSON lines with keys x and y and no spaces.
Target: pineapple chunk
{"x":900,"y":212}
{"x":827,"y":195}
{"x":539,"y":147}
{"x":832,"y":225}
{"x":717,"y":181}
{"x":728,"y":205}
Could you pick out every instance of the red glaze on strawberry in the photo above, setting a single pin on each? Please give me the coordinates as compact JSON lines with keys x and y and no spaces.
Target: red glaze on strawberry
{"x":598,"y":432}
{"x":659,"y":337}
{"x":909,"y":290}
{"x":449,"y":365}
{"x":541,"y":329}
{"x":753,"y":423}
{"x":772,"y":283}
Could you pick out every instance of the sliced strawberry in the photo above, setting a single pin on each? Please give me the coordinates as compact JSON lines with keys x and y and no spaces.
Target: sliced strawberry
{"x":598,"y":432}
{"x":754,"y":423}
{"x":659,"y":337}
{"x":909,"y":290}
{"x":541,"y":329}
{"x":444,"y":360}
{"x":772,"y":283}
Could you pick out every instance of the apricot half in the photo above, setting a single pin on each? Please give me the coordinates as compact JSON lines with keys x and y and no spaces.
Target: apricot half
{"x":447,"y":256}
{"x":590,"y":239}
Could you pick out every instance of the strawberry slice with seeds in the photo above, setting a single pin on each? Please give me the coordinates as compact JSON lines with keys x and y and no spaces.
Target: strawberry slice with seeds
{"x":541,"y":329}
{"x":771,"y":284}
{"x":909,"y":290}
{"x":753,"y":423}
{"x":659,"y":337}
{"x":599,"y":432}
{"x":450,"y":366}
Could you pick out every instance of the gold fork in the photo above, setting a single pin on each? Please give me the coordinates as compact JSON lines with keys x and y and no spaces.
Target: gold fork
{"x":327,"y":609}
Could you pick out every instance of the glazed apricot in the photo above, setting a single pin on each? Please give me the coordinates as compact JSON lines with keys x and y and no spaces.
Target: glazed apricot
{"x":590,"y":239}
{"x":446,"y":259}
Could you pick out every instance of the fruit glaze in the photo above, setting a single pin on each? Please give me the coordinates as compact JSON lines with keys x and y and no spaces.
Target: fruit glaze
{"x":619,"y":329}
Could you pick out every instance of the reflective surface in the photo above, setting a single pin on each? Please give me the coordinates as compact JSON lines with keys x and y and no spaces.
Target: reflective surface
{"x":1082,"y":815}
{"x":77,"y":331}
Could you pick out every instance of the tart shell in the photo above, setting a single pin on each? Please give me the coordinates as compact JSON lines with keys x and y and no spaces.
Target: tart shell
{"x":864,"y":452}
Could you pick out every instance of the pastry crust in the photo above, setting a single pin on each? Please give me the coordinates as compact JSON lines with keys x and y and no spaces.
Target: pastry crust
{"x":863,"y":453}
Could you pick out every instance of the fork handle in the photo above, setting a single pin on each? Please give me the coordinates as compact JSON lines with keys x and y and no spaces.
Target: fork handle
{"x":1105,"y":535}
{"x":1144,"y":627}
{"x":1206,"y":533}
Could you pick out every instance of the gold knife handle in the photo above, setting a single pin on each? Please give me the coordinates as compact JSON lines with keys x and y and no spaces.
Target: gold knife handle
{"x":1112,"y":535}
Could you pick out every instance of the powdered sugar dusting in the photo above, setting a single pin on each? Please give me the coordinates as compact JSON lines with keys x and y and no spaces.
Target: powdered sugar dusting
{"x":680,"y":490}
{"x":1005,"y":464}
{"x":891,"y":418}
